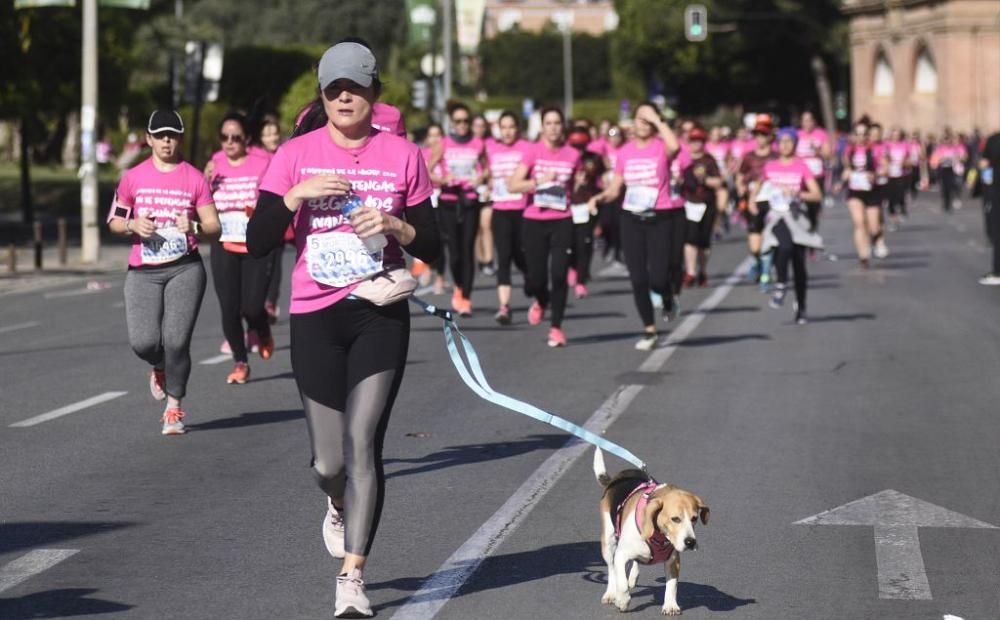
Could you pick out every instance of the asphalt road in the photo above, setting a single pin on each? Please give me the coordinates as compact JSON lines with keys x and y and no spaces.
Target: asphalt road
{"x":892,"y":386}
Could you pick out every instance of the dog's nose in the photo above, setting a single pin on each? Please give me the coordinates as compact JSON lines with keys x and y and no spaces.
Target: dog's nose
{"x":690,"y":543}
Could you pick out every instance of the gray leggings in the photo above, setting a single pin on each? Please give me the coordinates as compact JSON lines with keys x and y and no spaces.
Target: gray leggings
{"x":161,"y":307}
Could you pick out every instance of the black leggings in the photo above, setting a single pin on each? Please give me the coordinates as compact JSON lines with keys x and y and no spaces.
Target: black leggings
{"x":546,"y":251}
{"x":583,"y":250}
{"x":508,"y":227}
{"x":654,"y":253}
{"x":274,"y":284}
{"x":947,"y":180}
{"x":608,"y":218}
{"x":897,"y":195}
{"x":348,"y":362}
{"x":459,"y":226}
{"x":788,"y":251}
{"x":241,"y":283}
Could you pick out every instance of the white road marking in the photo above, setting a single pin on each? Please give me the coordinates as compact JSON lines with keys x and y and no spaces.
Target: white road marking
{"x":456,"y":570}
{"x":218,"y":359}
{"x":895,"y":518}
{"x":31,"y":564}
{"x":14,"y":328}
{"x":951,"y":617}
{"x":68,"y":409}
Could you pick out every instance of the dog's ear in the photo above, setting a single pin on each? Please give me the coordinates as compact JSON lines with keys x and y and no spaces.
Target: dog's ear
{"x":649,"y":515}
{"x":702,"y":510}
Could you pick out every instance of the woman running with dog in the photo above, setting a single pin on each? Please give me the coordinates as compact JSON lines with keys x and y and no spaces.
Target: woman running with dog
{"x":355,"y":197}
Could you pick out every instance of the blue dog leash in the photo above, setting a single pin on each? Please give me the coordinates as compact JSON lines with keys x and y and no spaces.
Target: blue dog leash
{"x":471,"y":373}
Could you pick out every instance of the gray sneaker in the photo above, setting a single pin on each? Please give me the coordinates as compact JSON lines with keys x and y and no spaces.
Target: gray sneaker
{"x":352,"y":602}
{"x":333,"y":530}
{"x":172,"y":424}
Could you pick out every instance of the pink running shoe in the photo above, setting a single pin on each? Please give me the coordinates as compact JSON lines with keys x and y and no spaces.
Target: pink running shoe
{"x":571,"y":277}
{"x":157,"y":383}
{"x":225,"y":348}
{"x":557,"y":338}
{"x":535,"y":313}
{"x":580,"y":290}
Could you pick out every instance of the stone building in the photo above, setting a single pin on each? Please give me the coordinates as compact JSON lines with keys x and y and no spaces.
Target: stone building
{"x":590,"y":16}
{"x":925,"y":64}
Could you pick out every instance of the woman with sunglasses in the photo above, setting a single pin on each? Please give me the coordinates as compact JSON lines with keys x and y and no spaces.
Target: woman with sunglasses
{"x":547,"y":173}
{"x":348,"y":347}
{"x":241,"y":281}
{"x":462,"y":162}
{"x":164,"y":205}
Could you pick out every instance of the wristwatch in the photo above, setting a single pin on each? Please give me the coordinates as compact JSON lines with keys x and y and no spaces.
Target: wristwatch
{"x":196,"y":227}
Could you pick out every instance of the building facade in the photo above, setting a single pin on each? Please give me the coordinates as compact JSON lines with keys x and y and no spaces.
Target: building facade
{"x":590,"y":16}
{"x":926,"y":64}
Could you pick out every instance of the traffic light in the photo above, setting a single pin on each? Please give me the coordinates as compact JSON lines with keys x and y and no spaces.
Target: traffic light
{"x":696,"y":22}
{"x":419,"y":94}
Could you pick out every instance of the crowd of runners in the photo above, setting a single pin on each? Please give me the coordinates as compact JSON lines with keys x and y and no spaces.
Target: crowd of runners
{"x":351,"y":191}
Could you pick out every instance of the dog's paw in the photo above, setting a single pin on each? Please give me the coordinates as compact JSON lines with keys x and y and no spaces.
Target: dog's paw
{"x":621,"y":602}
{"x":670,"y":610}
{"x":608,"y":598}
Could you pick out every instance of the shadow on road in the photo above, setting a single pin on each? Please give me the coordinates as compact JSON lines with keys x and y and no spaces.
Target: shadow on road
{"x":847,"y":318}
{"x":599,"y":338}
{"x":63,"y":603}
{"x":732,"y":310}
{"x":29,"y":535}
{"x":453,"y":456}
{"x":691,"y":596}
{"x":254,"y":418}
{"x":709,"y":341}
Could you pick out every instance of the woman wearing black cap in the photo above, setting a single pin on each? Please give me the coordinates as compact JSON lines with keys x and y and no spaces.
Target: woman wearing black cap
{"x":164,"y":205}
{"x":355,"y":197}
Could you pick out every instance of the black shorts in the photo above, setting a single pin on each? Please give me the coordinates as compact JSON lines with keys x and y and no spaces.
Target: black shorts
{"x":755,"y":223}
{"x":871,"y":199}
{"x":699,"y":234}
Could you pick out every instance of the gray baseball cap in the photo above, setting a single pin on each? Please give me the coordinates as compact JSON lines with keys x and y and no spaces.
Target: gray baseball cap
{"x":351,"y":61}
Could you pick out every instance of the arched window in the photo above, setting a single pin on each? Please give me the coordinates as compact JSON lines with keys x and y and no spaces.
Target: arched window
{"x":885,"y":81}
{"x":925,"y":77}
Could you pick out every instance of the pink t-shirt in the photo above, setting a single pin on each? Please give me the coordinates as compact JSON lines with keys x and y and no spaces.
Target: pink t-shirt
{"x":599,"y":146}
{"x":898,"y":153}
{"x":916,"y":151}
{"x":145,"y":191}
{"x":791,"y":175}
{"x":462,"y":162}
{"x":719,"y":152}
{"x":388,"y":118}
{"x":949,"y":155}
{"x":646,"y":173}
{"x":739,"y":148}
{"x":234,"y":190}
{"x":503,"y":160}
{"x":810,"y":148}
{"x":550,"y":201}
{"x":387,"y":173}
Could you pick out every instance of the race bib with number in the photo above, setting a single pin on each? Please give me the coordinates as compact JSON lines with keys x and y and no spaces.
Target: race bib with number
{"x":779,"y":200}
{"x":895,"y":169}
{"x":581,"y":213}
{"x":234,"y":226}
{"x":815,"y":166}
{"x":464,"y":169}
{"x":500,"y":193}
{"x":340,"y":259}
{"x":551,"y":196}
{"x":859,"y":181}
{"x":164,"y":246}
{"x":695,"y":211}
{"x":640,"y":198}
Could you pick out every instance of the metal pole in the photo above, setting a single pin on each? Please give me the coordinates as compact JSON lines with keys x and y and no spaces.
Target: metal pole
{"x":91,"y":239}
{"x":61,"y":228}
{"x":37,"y":226}
{"x":198,"y":98}
{"x":567,"y":72}
{"x":432,"y":108}
{"x":446,"y":41}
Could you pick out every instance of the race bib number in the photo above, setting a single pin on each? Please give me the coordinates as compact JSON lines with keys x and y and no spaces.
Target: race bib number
{"x":695,"y":211}
{"x":640,"y":198}
{"x":779,"y":200}
{"x":581,"y":213}
{"x":340,"y":259}
{"x":463,"y":169}
{"x":815,"y":166}
{"x":501,"y":193}
{"x":234,"y":226}
{"x":164,"y":246}
{"x":895,"y":169}
{"x":859,"y":181}
{"x":551,"y":196}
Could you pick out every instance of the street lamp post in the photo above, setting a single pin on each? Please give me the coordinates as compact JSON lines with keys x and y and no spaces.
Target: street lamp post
{"x":90,"y":235}
{"x":564,"y":20}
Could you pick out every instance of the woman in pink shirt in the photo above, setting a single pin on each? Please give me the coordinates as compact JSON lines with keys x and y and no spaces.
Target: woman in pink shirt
{"x":897,"y":151}
{"x":652,"y":221}
{"x":461,"y":159}
{"x":164,"y":205}
{"x":348,"y":346}
{"x":547,"y":172}
{"x":241,"y":281}
{"x":863,"y":201}
{"x":786,"y":183}
{"x":948,"y":159}
{"x":503,"y":157}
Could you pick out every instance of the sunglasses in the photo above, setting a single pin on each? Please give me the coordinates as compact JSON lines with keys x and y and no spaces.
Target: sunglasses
{"x":228,"y":137}
{"x":461,"y":121}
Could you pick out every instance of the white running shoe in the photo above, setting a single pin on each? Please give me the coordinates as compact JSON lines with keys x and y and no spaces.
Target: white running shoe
{"x":172,"y":424}
{"x":333,"y":531}
{"x":351,"y":598}
{"x":648,"y":342}
{"x":881,"y":250}
{"x":990,"y":279}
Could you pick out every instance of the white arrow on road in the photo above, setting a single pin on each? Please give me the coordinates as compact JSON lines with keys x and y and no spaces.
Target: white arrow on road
{"x":896,"y":517}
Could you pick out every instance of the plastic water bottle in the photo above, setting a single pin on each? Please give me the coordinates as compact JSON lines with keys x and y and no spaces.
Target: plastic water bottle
{"x":373,"y":243}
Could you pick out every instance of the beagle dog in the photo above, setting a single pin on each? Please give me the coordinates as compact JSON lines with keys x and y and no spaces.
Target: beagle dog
{"x":643,"y":522}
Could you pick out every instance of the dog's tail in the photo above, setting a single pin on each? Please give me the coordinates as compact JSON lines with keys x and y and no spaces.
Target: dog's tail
{"x":599,"y":468}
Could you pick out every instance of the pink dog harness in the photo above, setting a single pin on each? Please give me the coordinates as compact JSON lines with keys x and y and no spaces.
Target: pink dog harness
{"x":660,"y":548}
